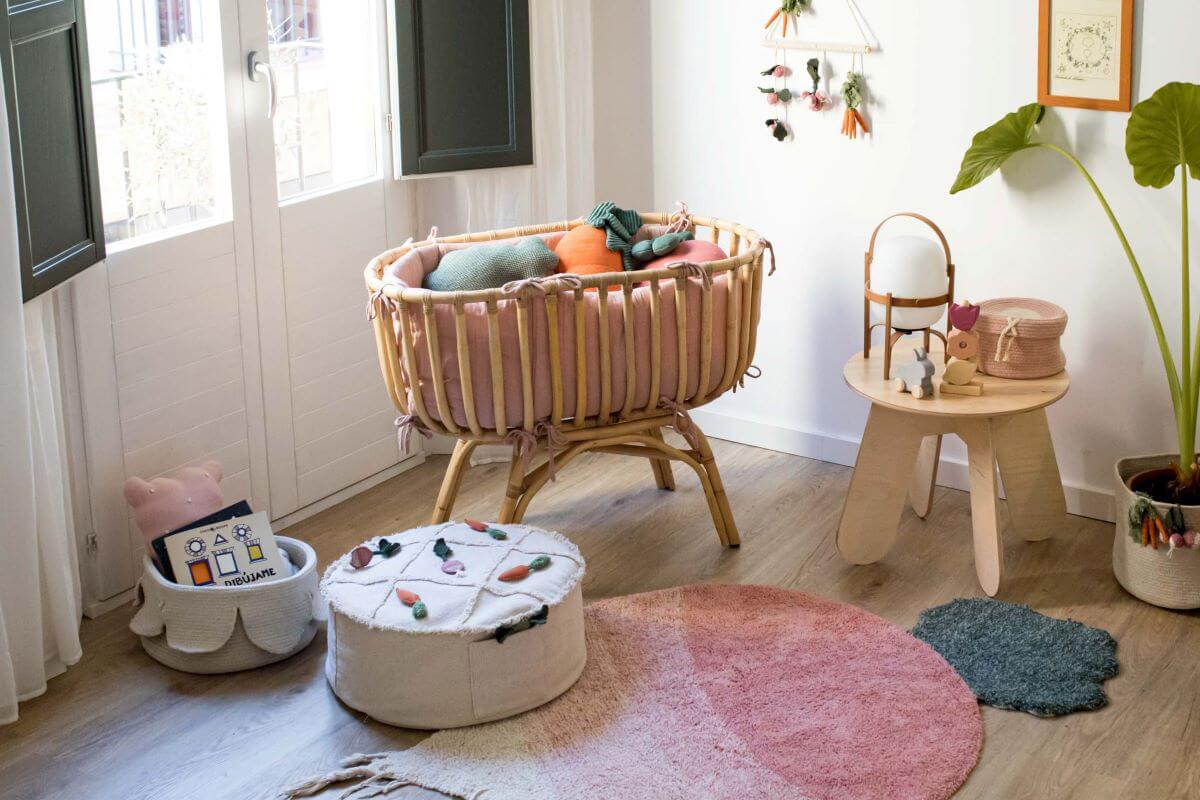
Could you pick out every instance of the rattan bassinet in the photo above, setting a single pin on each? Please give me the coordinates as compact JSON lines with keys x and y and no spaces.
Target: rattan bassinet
{"x":530,"y":364}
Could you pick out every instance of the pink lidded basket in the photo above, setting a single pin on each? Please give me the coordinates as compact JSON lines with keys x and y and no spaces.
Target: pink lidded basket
{"x":1019,"y":337}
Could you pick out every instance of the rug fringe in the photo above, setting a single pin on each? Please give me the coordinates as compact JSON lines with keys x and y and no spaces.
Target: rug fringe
{"x":371,"y":781}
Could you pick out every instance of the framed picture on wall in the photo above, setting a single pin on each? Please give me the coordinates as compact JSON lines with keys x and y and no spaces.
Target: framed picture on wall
{"x":1085,"y":53}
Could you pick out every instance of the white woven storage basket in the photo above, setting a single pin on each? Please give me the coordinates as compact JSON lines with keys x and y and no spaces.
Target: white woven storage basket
{"x":1160,"y":577}
{"x":208,"y":629}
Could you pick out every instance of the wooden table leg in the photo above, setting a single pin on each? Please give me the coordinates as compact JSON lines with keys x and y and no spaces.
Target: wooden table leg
{"x":985,"y":511}
{"x":1025,"y":453}
{"x":878,"y":486}
{"x":920,"y":490}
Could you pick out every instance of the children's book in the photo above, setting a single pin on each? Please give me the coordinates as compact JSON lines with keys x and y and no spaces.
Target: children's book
{"x":239,"y":509}
{"x":236,"y":552}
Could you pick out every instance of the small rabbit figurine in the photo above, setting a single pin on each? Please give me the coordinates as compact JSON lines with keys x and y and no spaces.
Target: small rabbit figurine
{"x":917,"y":377}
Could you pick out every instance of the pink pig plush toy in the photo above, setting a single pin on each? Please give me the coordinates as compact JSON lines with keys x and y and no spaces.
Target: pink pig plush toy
{"x":164,"y":504}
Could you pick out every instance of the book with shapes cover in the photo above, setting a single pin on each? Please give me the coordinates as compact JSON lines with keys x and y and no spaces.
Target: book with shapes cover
{"x":236,"y":552}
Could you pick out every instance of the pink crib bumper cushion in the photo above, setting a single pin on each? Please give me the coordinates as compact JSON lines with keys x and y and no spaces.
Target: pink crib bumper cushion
{"x":412,"y":267}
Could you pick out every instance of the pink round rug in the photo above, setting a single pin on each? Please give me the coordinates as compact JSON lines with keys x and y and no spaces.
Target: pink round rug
{"x":719,"y":692}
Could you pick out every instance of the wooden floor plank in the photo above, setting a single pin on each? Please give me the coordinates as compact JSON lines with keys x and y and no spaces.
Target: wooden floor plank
{"x":119,"y":725}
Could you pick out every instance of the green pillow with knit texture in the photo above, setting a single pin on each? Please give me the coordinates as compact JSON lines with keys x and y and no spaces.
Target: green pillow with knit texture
{"x":492,"y":266}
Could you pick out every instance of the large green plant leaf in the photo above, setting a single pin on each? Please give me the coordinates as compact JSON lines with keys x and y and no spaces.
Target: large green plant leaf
{"x":1164,"y":133}
{"x":993,"y":146}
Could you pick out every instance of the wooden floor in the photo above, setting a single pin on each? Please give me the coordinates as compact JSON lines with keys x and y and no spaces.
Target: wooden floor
{"x":118,"y":725}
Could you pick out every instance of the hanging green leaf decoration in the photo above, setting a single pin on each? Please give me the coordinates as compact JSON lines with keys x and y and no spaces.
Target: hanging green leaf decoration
{"x":852,"y":90}
{"x":766,"y":91}
{"x":770,"y":71}
{"x":442,"y":550}
{"x":785,"y":95}
{"x":1163,"y":134}
{"x":993,"y":146}
{"x":814,"y":72}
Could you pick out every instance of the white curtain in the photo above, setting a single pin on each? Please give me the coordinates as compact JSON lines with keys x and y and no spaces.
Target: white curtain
{"x":39,"y":570}
{"x":562,"y":183}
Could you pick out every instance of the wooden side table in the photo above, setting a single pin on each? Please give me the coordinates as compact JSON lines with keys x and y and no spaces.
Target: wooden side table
{"x":899,"y":456}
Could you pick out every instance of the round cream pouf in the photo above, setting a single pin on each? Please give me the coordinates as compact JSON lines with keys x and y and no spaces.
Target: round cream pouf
{"x":450,"y":668}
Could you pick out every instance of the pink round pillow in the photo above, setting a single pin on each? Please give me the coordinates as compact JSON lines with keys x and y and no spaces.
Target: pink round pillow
{"x":695,"y":251}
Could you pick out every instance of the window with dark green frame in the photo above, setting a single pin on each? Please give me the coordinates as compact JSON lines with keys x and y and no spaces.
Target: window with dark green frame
{"x":464,"y":85}
{"x":43,"y":55}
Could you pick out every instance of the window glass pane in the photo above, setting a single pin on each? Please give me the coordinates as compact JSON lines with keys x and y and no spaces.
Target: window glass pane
{"x":159,"y":106}
{"x":326,"y":72}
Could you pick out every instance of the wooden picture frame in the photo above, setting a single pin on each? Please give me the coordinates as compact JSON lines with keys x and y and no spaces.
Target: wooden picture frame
{"x":1085,"y":54}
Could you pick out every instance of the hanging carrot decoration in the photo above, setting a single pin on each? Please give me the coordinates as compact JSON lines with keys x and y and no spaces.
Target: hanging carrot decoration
{"x":817,"y":100}
{"x":787,"y":12}
{"x":852,"y":120}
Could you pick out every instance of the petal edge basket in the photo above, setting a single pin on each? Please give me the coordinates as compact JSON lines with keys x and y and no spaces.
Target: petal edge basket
{"x":210,"y":630}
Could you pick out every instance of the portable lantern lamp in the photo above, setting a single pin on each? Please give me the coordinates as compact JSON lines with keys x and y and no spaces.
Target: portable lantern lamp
{"x":909,"y":281}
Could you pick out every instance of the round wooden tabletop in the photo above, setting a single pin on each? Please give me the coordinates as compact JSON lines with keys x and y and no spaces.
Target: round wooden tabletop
{"x":1000,"y":396}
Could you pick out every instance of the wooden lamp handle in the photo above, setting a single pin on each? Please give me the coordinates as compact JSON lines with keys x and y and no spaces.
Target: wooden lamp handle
{"x":941,"y":236}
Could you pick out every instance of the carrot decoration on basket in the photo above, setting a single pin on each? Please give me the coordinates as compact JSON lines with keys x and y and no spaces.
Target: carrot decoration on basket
{"x":852,"y":120}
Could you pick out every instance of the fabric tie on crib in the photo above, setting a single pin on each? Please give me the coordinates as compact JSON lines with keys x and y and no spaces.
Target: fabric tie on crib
{"x":694,"y":270}
{"x":525,"y":444}
{"x":753,"y":372}
{"x":539,"y":284}
{"x":681,"y":220}
{"x":683,"y":423}
{"x":770,"y":248}
{"x":378,"y":298}
{"x":405,"y":425}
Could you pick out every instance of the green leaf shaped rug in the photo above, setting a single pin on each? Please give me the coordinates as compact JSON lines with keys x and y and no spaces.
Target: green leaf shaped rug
{"x":1013,"y":657}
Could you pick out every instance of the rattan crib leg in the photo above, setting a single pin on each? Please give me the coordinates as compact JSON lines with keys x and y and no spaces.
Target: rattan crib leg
{"x":516,"y":488}
{"x":664,"y":476}
{"x":460,"y":462}
{"x":709,"y":463}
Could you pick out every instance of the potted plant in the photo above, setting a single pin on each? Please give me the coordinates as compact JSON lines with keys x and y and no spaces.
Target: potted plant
{"x":1155,"y":553}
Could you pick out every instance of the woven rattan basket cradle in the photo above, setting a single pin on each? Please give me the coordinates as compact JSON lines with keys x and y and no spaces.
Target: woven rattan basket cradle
{"x":426,"y":341}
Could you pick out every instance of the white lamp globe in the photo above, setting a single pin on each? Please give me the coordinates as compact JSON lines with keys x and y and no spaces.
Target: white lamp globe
{"x":913,"y":268}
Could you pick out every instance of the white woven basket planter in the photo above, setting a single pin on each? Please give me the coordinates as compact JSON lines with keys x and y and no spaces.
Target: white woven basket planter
{"x":448,"y":669}
{"x":208,"y":630}
{"x":1160,"y":577}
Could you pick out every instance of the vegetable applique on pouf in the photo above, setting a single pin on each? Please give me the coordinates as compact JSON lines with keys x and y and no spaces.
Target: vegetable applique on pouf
{"x":1013,"y":657}
{"x":445,"y":634}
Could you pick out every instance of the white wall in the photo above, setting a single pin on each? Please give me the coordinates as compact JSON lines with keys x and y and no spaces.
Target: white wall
{"x":947,"y":68}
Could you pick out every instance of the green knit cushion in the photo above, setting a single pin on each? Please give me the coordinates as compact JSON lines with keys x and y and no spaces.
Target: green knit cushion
{"x":620,"y":226}
{"x":659,"y":246}
{"x":491,"y":266}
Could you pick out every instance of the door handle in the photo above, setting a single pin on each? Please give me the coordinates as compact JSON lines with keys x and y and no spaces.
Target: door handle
{"x":256,"y":68}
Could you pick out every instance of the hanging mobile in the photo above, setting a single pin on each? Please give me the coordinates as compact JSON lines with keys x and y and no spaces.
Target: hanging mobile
{"x":817,"y":100}
{"x":852,"y":95}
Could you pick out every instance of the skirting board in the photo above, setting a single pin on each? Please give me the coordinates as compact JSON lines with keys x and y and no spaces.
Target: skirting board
{"x":1086,"y":501}
{"x":311,"y":509}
